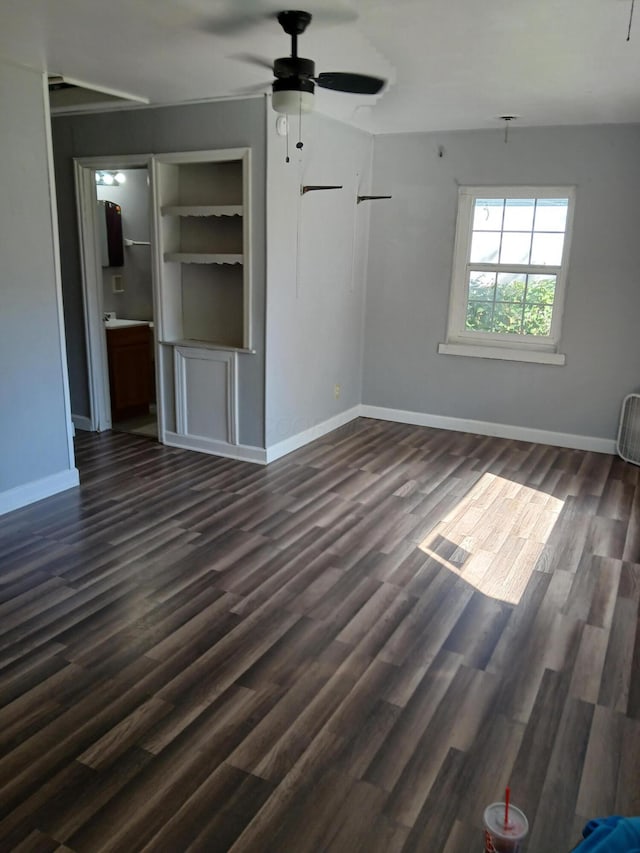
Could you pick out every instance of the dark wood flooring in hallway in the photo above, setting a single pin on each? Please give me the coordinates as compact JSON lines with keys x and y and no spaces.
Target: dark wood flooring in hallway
{"x":353,"y":649}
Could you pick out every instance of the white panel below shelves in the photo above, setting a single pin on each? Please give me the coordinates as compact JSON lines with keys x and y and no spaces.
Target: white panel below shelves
{"x":206,"y":393}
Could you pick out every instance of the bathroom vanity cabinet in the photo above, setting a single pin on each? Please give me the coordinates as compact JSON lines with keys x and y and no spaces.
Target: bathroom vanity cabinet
{"x":130,"y":370}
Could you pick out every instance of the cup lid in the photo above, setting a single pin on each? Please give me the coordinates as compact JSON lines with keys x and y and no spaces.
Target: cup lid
{"x":517,"y":827}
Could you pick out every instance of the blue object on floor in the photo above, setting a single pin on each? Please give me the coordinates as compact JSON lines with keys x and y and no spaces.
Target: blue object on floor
{"x":611,"y":835}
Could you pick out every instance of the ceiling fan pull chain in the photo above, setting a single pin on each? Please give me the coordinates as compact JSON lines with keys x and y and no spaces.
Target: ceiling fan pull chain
{"x":299,"y":142}
{"x":633,"y":3}
{"x":286,"y":159}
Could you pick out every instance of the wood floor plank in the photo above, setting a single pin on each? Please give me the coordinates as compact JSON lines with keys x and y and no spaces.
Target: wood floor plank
{"x":435,"y":820}
{"x":471,"y":693}
{"x":627,"y":788}
{"x":356,"y":647}
{"x":530,"y":768}
{"x":561,"y":786}
{"x":602,"y":763}
{"x":64,"y":814}
{"x":587,"y":671}
{"x":221,"y":824}
{"x":616,"y":676}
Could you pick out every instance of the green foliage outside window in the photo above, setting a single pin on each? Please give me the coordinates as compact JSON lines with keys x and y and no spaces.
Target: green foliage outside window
{"x":510,"y":304}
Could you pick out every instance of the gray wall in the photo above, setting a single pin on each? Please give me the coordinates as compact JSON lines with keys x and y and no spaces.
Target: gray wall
{"x":411,"y":251}
{"x":225,"y":124}
{"x":316,"y":274}
{"x":34,"y":417}
{"x":133,"y":196}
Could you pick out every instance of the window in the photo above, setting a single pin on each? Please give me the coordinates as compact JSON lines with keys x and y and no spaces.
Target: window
{"x":509,"y":271}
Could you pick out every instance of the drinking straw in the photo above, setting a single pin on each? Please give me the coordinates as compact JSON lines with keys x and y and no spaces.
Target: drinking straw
{"x":507,"y":794}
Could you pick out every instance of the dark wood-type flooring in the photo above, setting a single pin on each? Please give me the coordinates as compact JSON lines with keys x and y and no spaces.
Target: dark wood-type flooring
{"x":353,"y":649}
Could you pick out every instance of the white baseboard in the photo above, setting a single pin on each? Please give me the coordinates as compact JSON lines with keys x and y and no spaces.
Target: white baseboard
{"x":38,"y":489}
{"x":288,"y":445}
{"x":539,"y":436}
{"x":243,"y":452}
{"x":82,"y":422}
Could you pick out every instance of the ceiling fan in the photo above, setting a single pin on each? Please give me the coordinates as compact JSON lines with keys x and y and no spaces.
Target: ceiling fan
{"x":294,"y":86}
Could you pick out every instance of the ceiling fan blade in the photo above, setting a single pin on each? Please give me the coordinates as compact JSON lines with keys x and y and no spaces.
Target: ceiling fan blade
{"x":357,"y":84}
{"x":256,"y":89}
{"x":234,"y":24}
{"x":253,"y":59}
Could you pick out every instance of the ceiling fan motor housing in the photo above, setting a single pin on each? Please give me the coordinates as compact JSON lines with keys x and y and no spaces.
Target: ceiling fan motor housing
{"x":294,"y":66}
{"x":294,"y":84}
{"x":294,"y":22}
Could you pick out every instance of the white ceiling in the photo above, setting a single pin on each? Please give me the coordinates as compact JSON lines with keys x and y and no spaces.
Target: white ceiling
{"x":450,"y":63}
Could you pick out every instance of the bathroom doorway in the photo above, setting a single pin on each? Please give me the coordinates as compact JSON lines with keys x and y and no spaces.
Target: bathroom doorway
{"x":116,"y":230}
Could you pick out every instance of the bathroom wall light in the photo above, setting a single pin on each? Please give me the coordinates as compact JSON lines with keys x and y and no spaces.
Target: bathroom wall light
{"x":110,"y":179}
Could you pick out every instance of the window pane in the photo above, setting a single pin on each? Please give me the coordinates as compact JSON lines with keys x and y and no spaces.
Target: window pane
{"x":481,"y":285}
{"x":547,"y":249}
{"x":507,"y":318}
{"x":515,"y":248}
{"x":518,"y":214}
{"x":551,"y":214}
{"x":541,"y":289}
{"x":479,"y":316}
{"x":510,"y":287}
{"x":513,"y":267}
{"x":537,"y":319}
{"x":487,"y":214}
{"x":485,"y":246}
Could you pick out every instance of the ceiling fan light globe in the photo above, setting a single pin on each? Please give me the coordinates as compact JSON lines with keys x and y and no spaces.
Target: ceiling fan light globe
{"x":291,"y":102}
{"x":293,"y":95}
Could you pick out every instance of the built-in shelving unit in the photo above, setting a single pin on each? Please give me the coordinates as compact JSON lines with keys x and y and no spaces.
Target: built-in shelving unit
{"x":203,"y":272}
{"x":202,"y":201}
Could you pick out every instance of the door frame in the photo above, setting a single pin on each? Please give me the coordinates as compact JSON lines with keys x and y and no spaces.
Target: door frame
{"x":85,"y":169}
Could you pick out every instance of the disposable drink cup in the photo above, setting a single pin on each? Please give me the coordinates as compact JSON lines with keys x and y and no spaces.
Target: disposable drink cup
{"x":500,"y":837}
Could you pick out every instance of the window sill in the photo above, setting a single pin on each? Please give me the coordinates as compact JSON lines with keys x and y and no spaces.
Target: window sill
{"x":503,"y":353}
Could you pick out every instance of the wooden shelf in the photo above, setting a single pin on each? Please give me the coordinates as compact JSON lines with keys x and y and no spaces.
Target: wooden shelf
{"x":203,"y":344}
{"x":202,"y":210}
{"x":203,"y":258}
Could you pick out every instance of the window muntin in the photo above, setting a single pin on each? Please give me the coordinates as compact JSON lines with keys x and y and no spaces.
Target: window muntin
{"x":510,"y":265}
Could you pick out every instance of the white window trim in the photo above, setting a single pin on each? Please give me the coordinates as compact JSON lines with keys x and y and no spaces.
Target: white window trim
{"x":486,"y":345}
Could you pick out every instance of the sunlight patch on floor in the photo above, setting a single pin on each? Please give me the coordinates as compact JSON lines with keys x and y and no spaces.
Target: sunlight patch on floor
{"x":494,"y":536}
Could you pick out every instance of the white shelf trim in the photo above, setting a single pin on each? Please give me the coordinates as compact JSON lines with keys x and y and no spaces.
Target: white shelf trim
{"x":195,"y":342}
{"x":202,"y":210}
{"x":203,"y":258}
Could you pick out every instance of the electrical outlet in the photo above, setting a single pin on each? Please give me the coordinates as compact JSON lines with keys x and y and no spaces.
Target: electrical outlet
{"x":117,"y":285}
{"x":336,"y":391}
